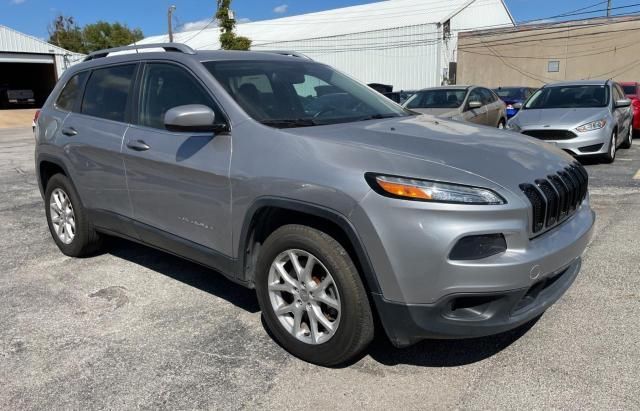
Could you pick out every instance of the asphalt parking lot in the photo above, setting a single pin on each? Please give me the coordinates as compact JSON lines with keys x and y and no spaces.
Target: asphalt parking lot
{"x":134,"y":327}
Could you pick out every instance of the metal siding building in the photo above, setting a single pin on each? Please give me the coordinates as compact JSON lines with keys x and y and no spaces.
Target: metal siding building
{"x":398,"y":42}
{"x":534,"y":55}
{"x":30,"y":63}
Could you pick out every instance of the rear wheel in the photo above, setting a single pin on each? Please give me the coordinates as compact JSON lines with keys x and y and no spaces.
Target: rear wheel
{"x":312,"y":299}
{"x":611,"y":154}
{"x":629,"y":140}
{"x":68,"y":220}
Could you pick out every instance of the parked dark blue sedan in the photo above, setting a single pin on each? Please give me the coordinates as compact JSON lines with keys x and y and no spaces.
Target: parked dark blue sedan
{"x":513,"y":97}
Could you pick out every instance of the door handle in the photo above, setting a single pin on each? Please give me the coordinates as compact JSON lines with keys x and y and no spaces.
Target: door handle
{"x":138,"y":145}
{"x":69,"y":131}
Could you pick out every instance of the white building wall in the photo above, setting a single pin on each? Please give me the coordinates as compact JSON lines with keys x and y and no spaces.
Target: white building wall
{"x":404,"y":57}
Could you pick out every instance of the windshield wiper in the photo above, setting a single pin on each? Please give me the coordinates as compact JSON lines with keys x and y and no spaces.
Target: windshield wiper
{"x":290,"y":123}
{"x":377,"y":117}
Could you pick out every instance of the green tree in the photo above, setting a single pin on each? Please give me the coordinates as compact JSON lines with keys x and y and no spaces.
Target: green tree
{"x":66,"y":33}
{"x":228,"y":39}
{"x":104,"y":35}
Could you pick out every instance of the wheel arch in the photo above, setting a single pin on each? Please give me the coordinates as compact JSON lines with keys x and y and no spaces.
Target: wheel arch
{"x":47,"y":167}
{"x":267,"y":214}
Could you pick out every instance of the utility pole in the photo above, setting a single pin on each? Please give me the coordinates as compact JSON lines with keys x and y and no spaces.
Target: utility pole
{"x":609,"y":8}
{"x":170,"y":22}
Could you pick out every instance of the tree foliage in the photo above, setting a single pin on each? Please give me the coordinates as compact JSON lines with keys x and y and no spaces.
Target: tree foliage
{"x":228,"y":39}
{"x":66,"y":33}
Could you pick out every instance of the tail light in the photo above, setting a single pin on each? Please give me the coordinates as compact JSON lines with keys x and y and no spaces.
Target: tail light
{"x":35,"y":116}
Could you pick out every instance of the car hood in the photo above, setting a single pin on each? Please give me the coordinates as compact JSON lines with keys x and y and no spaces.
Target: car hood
{"x":558,"y":117}
{"x":440,"y":112}
{"x":505,"y":158}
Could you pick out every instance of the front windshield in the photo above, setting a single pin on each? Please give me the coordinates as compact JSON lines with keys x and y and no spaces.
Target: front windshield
{"x":569,"y":97}
{"x":437,"y":99}
{"x":510,"y":93}
{"x":300,"y":93}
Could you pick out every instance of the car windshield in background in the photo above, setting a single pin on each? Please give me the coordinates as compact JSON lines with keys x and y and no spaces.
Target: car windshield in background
{"x":300,"y":94}
{"x":514,"y":93}
{"x":437,"y":99}
{"x":629,"y":89}
{"x":579,"y":96}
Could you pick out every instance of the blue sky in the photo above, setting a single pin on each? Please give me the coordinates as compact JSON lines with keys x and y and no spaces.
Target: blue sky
{"x":33,"y":16}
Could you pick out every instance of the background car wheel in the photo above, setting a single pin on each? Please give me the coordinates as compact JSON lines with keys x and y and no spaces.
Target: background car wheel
{"x":629,"y":140}
{"x":312,"y":299}
{"x":502,"y":124}
{"x":67,"y":219}
{"x":611,"y":154}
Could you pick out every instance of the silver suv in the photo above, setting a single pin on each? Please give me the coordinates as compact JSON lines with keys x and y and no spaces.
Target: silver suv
{"x":338,"y":206}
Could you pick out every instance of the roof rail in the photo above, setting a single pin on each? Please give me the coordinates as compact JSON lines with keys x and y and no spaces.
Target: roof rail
{"x":286,"y":53}
{"x":174,"y":47}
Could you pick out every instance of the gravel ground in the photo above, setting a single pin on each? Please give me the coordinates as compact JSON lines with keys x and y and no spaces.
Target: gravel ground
{"x":136,"y":328}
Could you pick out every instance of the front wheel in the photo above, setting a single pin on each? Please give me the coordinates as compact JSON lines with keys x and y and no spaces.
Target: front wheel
{"x":611,"y":154}
{"x":311,"y":296}
{"x":629,"y":140}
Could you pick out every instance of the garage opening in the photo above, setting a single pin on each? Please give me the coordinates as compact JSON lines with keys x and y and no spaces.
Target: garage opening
{"x":17,"y":79}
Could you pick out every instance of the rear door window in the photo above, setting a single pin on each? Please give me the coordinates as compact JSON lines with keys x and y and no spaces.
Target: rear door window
{"x":71,"y":93}
{"x":107,"y":92}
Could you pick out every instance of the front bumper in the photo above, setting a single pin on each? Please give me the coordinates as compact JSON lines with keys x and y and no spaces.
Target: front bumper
{"x":470,"y":315}
{"x":594,"y":142}
{"x":425,"y":294}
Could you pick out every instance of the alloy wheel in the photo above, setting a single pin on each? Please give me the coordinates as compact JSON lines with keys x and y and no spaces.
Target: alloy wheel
{"x":63,"y":218}
{"x":304,"y":296}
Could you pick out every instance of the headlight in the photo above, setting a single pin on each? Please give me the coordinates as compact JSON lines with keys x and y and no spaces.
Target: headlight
{"x":594,"y":125}
{"x":433,"y":191}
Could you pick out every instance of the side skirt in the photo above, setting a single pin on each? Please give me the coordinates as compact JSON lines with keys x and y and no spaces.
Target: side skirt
{"x":116,"y":225}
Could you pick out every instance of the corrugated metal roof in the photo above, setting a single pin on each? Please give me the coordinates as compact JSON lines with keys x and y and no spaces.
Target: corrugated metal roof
{"x":14,"y":41}
{"x":377,"y":16}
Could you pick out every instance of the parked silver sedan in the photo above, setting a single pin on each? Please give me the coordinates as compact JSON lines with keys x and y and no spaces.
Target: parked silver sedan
{"x":584,"y":118}
{"x":466,"y":103}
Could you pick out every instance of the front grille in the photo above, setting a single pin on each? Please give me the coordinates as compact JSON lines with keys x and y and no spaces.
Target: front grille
{"x":555,"y":198}
{"x":551,"y":134}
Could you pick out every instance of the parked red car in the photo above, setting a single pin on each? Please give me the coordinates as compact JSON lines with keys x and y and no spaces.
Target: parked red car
{"x":632,"y":90}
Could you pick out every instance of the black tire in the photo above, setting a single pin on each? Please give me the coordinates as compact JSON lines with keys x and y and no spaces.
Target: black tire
{"x":629,"y":140}
{"x":610,"y":156}
{"x":355,"y":330}
{"x":86,"y":240}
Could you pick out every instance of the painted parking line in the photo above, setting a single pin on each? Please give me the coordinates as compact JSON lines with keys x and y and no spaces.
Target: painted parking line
{"x":637,"y":176}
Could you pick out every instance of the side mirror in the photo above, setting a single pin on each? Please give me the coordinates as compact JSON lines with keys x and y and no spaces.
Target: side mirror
{"x":475,"y":104}
{"x":191,"y":117}
{"x":623,"y":102}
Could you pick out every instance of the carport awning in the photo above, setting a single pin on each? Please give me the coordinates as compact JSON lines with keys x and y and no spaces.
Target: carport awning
{"x":26,"y":58}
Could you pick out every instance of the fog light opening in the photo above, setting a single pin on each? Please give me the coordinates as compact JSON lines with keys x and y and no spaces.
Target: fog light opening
{"x":476,"y":247}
